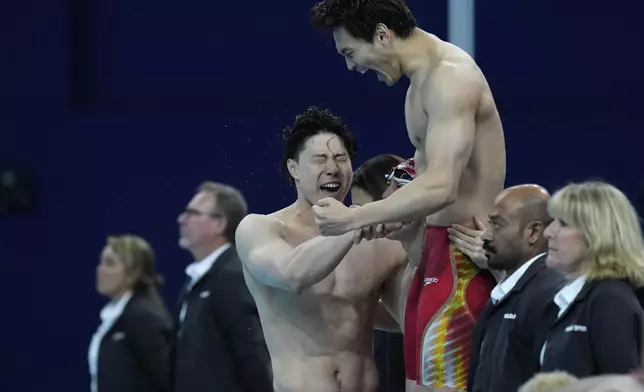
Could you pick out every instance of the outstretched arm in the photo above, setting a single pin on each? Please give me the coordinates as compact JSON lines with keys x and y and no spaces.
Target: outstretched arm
{"x":450,"y":100}
{"x":274,"y":262}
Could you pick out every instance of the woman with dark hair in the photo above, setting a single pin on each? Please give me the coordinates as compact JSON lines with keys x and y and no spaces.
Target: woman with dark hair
{"x":369,"y":184}
{"x":130,"y":350}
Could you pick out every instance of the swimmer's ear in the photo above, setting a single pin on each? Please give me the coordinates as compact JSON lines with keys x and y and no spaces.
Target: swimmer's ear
{"x":293,"y":169}
{"x":382,"y":35}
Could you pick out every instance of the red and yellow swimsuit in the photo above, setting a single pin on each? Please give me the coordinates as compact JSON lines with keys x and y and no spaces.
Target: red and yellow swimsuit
{"x":446,"y":296}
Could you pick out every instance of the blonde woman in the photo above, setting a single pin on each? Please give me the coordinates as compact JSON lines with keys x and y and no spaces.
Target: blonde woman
{"x":130,"y":350}
{"x":596,"y":241}
{"x":548,"y":382}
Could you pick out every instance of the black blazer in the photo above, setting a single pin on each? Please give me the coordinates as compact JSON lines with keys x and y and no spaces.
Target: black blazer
{"x":134,"y":353}
{"x":600,"y":332}
{"x":508,"y":336}
{"x":220,"y":344}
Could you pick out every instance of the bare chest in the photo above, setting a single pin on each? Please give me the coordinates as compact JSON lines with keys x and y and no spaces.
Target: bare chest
{"x":358,"y":276}
{"x":416,"y":120}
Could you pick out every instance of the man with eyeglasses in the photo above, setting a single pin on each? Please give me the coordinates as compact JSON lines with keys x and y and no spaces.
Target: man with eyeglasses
{"x":219,"y":343}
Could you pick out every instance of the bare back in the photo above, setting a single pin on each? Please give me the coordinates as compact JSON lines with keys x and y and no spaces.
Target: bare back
{"x":484,"y":173}
{"x":321,"y":338}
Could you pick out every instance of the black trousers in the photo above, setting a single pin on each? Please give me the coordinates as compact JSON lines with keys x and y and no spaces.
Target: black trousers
{"x":390,"y":361}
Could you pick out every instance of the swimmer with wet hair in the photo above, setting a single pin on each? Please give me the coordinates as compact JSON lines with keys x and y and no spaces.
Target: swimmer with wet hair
{"x":316,"y":295}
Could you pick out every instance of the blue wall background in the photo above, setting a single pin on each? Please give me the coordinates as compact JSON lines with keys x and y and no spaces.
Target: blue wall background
{"x":123,"y":107}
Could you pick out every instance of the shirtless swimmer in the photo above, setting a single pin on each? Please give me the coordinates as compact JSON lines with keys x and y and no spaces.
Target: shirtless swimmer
{"x":316,"y":295}
{"x":453,"y":123}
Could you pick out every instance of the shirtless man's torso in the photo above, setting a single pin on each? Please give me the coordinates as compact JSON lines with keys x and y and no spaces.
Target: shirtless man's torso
{"x":320,"y":339}
{"x":450,"y":114}
{"x":316,"y":296}
{"x":429,"y":100}
{"x":454,"y":125}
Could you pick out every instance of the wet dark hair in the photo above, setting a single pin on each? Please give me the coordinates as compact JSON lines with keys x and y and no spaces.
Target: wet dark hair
{"x":360,"y":17}
{"x":311,"y":122}
{"x":371,"y":175}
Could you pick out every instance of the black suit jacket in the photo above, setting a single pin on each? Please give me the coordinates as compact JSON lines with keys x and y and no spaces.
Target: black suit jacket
{"x":220,"y":344}
{"x":134,"y":353}
{"x":508,"y":336}
{"x":599,"y":333}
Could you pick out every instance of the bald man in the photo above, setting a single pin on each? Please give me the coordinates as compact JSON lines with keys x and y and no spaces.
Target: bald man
{"x":511,"y":330}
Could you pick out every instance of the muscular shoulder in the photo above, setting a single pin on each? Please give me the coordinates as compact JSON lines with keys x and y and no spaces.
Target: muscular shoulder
{"x":252,"y":224}
{"x":453,"y":83}
{"x":256,"y":230}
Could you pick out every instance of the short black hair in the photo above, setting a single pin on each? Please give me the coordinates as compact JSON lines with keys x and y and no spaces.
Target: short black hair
{"x":360,"y":17}
{"x":371,"y":175}
{"x":311,"y":122}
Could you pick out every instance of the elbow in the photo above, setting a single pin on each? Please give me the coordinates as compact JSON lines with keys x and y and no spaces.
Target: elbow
{"x":293,"y":283}
{"x":281,"y":278}
{"x":295,"y":286}
{"x":445,"y":195}
{"x":449,"y":196}
{"x":438,"y":189}
{"x":450,"y":190}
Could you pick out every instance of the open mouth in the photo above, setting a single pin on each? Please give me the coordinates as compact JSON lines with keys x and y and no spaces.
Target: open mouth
{"x":379,"y":76}
{"x":361,"y":70}
{"x":331,"y":187}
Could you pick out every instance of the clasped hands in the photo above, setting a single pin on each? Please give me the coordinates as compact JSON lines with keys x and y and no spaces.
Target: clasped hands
{"x":334,"y":218}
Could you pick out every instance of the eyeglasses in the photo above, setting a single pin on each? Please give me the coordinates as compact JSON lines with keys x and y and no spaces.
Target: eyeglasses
{"x":191,"y":212}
